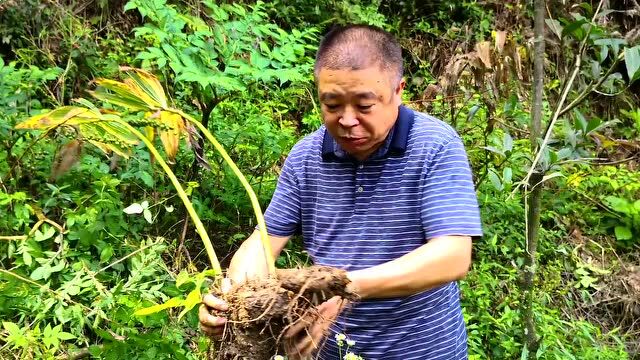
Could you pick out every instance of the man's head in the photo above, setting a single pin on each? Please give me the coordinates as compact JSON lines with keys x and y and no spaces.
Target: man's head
{"x":359,"y":75}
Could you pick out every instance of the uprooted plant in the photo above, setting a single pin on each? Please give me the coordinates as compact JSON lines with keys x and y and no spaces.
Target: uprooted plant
{"x":261,"y":310}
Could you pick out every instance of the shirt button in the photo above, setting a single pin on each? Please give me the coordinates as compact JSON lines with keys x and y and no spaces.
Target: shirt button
{"x":360,"y":189}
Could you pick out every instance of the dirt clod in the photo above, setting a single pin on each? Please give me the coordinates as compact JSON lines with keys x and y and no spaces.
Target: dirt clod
{"x":260,"y":311}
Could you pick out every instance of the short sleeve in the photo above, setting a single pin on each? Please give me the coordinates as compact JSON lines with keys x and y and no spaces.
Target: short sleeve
{"x":283,"y":215}
{"x":449,"y":204}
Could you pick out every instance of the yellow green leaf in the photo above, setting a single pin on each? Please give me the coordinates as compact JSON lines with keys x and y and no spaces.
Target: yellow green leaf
{"x":149,"y":132}
{"x":66,"y":115}
{"x":109,"y":148}
{"x":192,"y":300}
{"x":173,"y":302}
{"x":171,"y":138}
{"x":119,"y":93}
{"x":147,"y":83}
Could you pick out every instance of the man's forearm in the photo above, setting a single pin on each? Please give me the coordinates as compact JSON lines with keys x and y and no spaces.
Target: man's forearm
{"x":441,"y":260}
{"x":249,"y":260}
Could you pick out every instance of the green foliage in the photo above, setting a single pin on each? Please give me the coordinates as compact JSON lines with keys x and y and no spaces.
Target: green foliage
{"x":84,"y":251}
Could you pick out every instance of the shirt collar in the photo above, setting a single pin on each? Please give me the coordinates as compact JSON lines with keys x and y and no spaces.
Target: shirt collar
{"x":394,"y":144}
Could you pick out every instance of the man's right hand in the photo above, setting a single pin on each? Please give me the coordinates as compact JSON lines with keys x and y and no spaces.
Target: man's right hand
{"x":214,"y":325}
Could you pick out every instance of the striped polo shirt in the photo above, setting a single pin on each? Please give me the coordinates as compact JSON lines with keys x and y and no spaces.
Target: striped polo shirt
{"x":354,"y":215}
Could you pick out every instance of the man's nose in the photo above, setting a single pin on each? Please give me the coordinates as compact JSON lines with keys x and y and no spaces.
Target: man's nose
{"x":348,"y":119}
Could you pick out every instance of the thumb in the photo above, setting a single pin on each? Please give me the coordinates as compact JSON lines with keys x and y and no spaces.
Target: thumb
{"x":226,"y":285}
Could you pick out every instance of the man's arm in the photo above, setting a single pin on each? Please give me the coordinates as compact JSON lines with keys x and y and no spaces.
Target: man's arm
{"x":441,"y":260}
{"x":249,"y":261}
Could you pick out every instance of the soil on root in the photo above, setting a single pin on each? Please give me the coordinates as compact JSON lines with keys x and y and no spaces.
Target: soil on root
{"x":260,"y":311}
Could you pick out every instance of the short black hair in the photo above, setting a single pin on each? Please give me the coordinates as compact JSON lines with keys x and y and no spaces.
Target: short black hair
{"x":359,"y":46}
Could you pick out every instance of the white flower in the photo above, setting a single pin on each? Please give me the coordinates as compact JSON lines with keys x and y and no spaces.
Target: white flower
{"x":341,"y":337}
{"x":352,"y":356}
{"x":278,"y":357}
{"x":350,"y":342}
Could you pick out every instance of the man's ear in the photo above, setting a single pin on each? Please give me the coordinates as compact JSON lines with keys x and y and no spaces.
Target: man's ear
{"x":397,"y":93}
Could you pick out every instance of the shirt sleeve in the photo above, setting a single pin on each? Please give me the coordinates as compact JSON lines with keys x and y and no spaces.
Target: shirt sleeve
{"x":449,"y":204}
{"x":283,"y":215}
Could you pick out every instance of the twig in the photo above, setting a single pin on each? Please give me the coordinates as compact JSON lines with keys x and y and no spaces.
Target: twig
{"x":559,"y":107}
{"x":129,"y":255}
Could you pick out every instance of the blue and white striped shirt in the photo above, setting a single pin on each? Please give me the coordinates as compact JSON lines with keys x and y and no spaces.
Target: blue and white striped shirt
{"x":355,"y":215}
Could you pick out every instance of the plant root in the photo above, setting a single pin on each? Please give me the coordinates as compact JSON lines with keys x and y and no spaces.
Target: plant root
{"x":261,"y":310}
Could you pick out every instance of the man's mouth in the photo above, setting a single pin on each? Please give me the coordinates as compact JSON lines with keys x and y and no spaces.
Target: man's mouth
{"x":354,"y":141}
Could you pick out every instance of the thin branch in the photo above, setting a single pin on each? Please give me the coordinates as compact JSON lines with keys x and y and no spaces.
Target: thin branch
{"x":559,"y":107}
{"x":128,"y":256}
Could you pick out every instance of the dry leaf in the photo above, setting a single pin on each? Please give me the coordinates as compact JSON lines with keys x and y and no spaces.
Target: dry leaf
{"x":68,"y":156}
{"x":501,"y":37}
{"x":483,"y":49}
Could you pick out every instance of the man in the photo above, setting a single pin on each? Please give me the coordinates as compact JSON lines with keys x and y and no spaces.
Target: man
{"x":383,"y":192}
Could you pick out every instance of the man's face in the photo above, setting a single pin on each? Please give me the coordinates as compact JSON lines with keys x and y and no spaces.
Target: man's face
{"x":359,"y":107}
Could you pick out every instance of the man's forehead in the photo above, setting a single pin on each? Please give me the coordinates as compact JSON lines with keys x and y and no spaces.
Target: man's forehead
{"x":332,"y":95}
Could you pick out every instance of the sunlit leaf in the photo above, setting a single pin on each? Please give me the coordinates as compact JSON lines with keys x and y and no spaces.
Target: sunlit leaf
{"x":148,"y":83}
{"x":134,"y":208}
{"x":191,"y":301}
{"x":623,"y":233}
{"x":171,"y":138}
{"x":147,"y":216}
{"x":173,"y":302}
{"x":632,"y":61}
{"x":118,"y":93}
{"x":66,"y":115}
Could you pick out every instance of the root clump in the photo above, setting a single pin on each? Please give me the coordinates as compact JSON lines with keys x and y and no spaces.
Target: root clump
{"x":261,"y":310}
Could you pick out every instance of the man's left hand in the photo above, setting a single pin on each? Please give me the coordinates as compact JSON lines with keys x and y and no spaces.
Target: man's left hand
{"x":306,"y":335}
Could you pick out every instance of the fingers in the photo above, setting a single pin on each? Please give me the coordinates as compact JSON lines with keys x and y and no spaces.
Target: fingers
{"x":215,"y":332}
{"x":211,"y":325}
{"x":308,"y":343}
{"x":215,"y":302}
{"x":301,"y":324}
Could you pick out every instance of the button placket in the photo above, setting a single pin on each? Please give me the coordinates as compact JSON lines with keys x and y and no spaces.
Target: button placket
{"x":360,"y":197}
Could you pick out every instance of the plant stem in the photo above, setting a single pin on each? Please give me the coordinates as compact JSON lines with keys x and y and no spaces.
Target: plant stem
{"x":533,"y":193}
{"x":215,"y":264}
{"x":266,"y":244}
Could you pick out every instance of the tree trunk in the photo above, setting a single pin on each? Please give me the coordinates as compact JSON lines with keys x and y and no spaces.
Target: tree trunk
{"x":534,"y":188}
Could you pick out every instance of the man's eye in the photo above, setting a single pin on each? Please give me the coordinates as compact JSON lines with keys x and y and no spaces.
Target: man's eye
{"x":365,"y":107}
{"x":332,"y":107}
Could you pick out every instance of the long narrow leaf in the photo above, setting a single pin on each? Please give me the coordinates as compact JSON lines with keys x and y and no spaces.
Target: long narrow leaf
{"x":148,"y":84}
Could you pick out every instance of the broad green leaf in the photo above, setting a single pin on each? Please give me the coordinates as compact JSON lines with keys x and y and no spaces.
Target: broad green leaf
{"x":26,"y":258}
{"x":171,"y":303}
{"x":48,"y":233}
{"x":42,"y":272}
{"x":623,"y":233}
{"x":12,"y":328}
{"x":106,"y":253}
{"x":632,"y":61}
{"x":65,"y":336}
{"x":592,"y":125}
{"x":146,"y":178}
{"x":495,"y":180}
{"x":575,"y":28}
{"x":581,"y":122}
{"x":507,"y":142}
{"x":507,"y":174}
